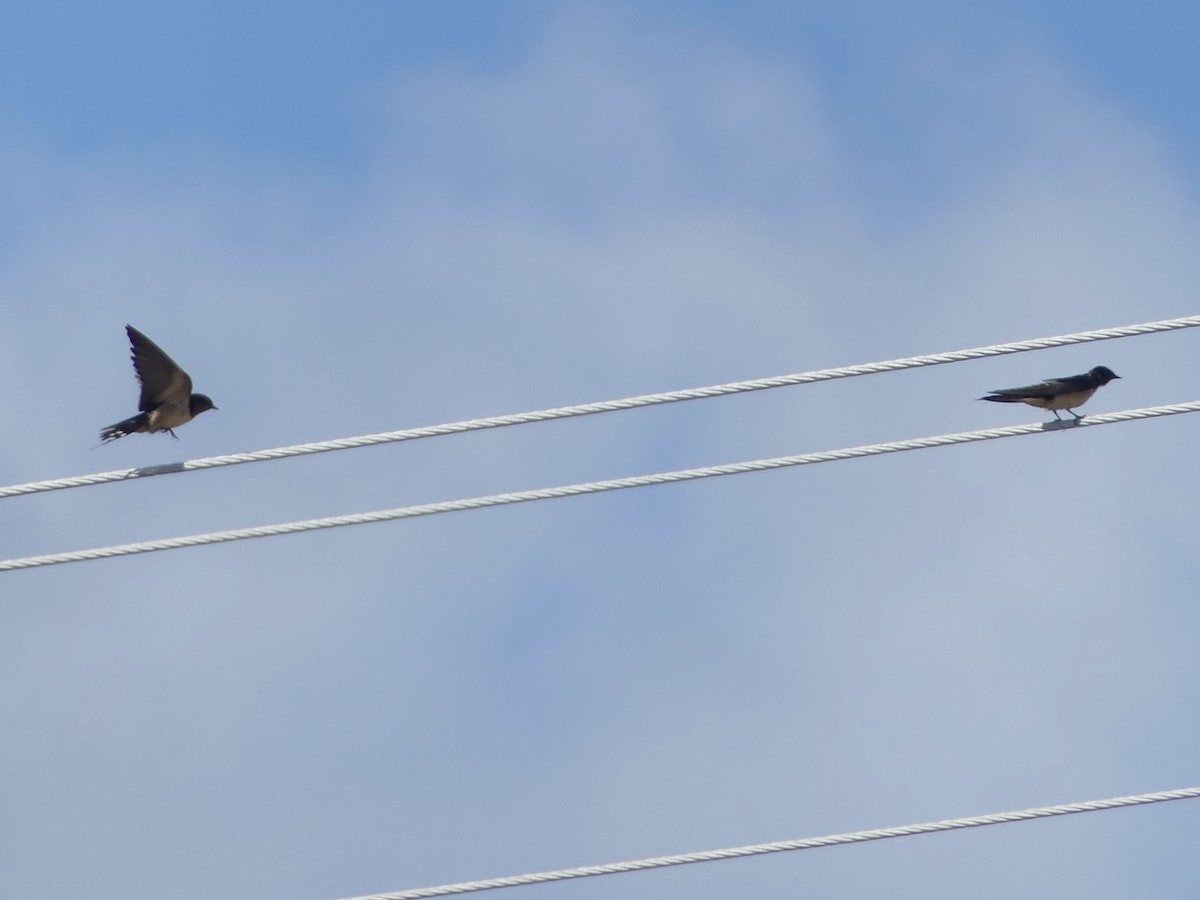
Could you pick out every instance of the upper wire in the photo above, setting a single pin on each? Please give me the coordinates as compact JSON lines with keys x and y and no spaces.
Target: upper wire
{"x":585,"y":409}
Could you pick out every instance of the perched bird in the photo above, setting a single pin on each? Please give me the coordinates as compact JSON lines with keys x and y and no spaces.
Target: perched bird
{"x":167,"y":400}
{"x":1057,"y":393}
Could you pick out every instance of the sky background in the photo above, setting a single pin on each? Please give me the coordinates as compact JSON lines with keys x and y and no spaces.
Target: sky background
{"x":350,"y":218}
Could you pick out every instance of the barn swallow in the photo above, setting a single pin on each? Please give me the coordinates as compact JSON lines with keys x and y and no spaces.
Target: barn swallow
{"x":1057,"y":393}
{"x":167,"y":400}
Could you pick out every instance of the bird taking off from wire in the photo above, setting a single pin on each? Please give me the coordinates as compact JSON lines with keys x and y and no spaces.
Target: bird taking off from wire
{"x":1057,"y":393}
{"x":166,"y":401}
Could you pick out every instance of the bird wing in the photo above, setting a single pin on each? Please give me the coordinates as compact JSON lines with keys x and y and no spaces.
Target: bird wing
{"x":1051,"y":387}
{"x":160,"y":377}
{"x":1074,"y":382}
{"x":1043,"y":389}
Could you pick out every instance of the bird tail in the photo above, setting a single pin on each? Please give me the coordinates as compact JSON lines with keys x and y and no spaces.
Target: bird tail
{"x":140,"y":422}
{"x":1003,"y":398}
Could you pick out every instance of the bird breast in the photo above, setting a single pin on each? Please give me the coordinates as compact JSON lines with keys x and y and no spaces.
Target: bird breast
{"x":1064,"y":401}
{"x":169,"y":415}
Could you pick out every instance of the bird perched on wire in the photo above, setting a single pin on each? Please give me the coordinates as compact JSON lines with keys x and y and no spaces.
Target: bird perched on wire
{"x":166,"y":401}
{"x":1057,"y":393}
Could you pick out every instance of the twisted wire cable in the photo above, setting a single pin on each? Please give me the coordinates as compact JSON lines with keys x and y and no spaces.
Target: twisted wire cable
{"x":593,"y":487}
{"x":585,"y":409}
{"x":832,"y":840}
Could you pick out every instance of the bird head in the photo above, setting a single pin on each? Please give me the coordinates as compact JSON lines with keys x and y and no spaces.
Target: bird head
{"x":198,"y":403}
{"x":1103,"y":374}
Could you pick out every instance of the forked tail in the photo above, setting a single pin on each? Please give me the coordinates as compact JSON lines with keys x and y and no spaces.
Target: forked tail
{"x":134,"y":423}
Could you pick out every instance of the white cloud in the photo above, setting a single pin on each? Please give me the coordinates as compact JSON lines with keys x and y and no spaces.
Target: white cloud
{"x":842,"y":646}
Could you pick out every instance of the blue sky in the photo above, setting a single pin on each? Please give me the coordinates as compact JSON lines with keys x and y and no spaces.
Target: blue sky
{"x":345,"y":220}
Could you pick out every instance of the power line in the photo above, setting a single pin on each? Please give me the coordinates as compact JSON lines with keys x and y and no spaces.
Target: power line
{"x":832,"y":840}
{"x":584,"y":409}
{"x":592,"y":487}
